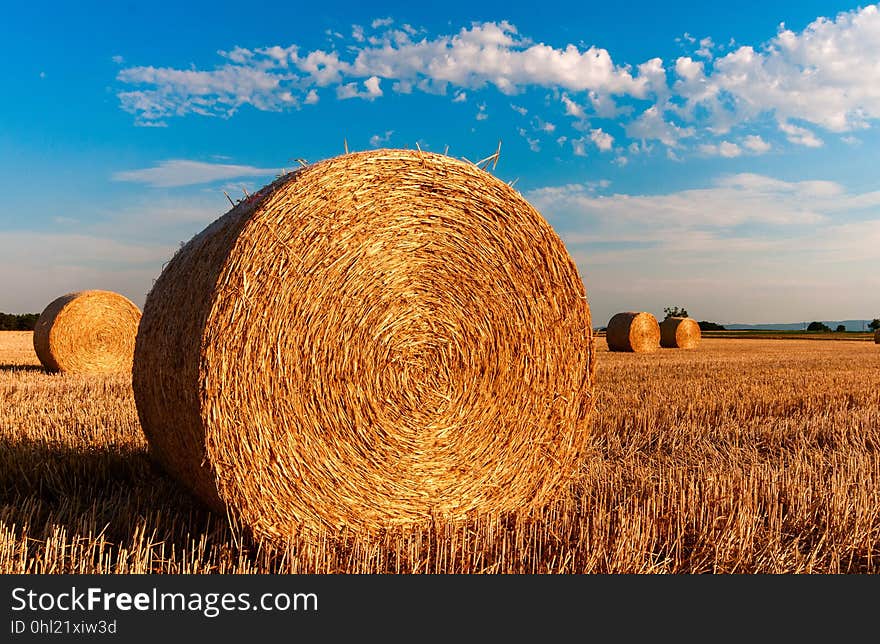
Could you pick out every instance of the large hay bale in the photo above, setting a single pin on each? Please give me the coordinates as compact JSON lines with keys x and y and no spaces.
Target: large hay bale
{"x":679,"y":333}
{"x":877,"y":336}
{"x":87,"y":332}
{"x":373,"y":340}
{"x":633,"y":331}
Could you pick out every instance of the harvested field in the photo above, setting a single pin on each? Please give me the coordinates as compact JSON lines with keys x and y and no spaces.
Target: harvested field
{"x":738,"y":456}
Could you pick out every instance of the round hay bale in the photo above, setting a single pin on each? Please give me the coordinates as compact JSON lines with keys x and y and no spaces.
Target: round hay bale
{"x":877,"y":336}
{"x":679,"y":333}
{"x":87,"y":332}
{"x":370,"y":341}
{"x":633,"y":331}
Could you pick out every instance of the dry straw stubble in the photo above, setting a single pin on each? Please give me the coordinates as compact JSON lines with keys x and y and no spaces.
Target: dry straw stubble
{"x":679,"y":333}
{"x":633,"y":331}
{"x":373,"y":340}
{"x":87,"y":332}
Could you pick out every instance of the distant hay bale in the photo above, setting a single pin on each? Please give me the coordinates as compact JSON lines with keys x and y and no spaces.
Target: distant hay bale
{"x":87,"y":332}
{"x":370,"y":341}
{"x":679,"y":333}
{"x":877,"y":336}
{"x":633,"y":331}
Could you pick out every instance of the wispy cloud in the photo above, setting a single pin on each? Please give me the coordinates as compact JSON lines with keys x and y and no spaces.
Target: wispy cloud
{"x":825,"y":75}
{"x":723,"y":149}
{"x":371,"y":91}
{"x":71,"y":262}
{"x":822,"y":78}
{"x":732,"y":201}
{"x":276,"y":78}
{"x":769,"y":245}
{"x":181,"y":172}
{"x":378,"y":139}
{"x":756,"y":144}
{"x":602,"y":140}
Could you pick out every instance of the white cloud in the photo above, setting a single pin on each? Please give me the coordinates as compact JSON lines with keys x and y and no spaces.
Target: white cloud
{"x":603,"y":140}
{"x":540,"y":125}
{"x":378,"y":139}
{"x":372,"y":90}
{"x":182,"y":172}
{"x":825,"y":75}
{"x":275,"y":78}
{"x":604,"y":105}
{"x":519,"y":109}
{"x":651,"y":125}
{"x":220,"y":92}
{"x":756,"y":144}
{"x":734,"y":200}
{"x":706,"y":47}
{"x":312,"y":97}
{"x":651,"y":250}
{"x":579,"y":147}
{"x":493,"y":53}
{"x":724,"y":149}
{"x":481,"y":112}
{"x":572,"y":108}
{"x":728,"y":149}
{"x":372,"y":85}
{"x":534,"y":144}
{"x":800,"y":135}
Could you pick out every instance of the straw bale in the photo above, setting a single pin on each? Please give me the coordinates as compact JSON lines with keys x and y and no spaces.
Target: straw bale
{"x":371,"y":341}
{"x":87,"y":332}
{"x":679,"y":333}
{"x":633,"y":331}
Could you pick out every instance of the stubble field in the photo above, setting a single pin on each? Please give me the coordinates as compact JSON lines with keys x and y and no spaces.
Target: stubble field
{"x":739,"y":456}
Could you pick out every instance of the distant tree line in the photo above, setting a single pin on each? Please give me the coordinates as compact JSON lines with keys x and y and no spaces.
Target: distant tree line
{"x":675,"y":312}
{"x":821,"y":326}
{"x":681,"y":312}
{"x":22,"y":322}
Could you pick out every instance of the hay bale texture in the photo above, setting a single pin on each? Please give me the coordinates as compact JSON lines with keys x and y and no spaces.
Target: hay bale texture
{"x":87,"y":332}
{"x":679,"y":333}
{"x":633,"y":331}
{"x":367,"y":342}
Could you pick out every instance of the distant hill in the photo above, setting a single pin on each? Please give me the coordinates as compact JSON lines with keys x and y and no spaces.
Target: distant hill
{"x":851,"y":325}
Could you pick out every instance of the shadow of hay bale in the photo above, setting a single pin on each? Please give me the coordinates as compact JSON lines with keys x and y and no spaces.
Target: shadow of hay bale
{"x":98,"y":491}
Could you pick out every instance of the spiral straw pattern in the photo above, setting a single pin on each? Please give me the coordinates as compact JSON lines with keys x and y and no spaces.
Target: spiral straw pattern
{"x":680,"y":333}
{"x":633,"y":331}
{"x":371,"y":341}
{"x":87,"y":332}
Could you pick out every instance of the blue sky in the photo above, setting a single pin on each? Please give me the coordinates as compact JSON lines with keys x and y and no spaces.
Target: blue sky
{"x":722,"y":158}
